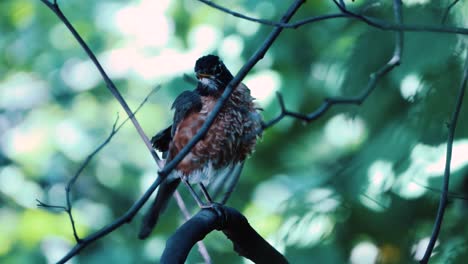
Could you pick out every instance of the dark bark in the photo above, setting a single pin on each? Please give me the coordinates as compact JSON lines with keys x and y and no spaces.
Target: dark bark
{"x":246,"y":241}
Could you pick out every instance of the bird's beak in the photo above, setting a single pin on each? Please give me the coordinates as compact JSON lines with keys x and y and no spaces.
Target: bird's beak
{"x":203,"y":75}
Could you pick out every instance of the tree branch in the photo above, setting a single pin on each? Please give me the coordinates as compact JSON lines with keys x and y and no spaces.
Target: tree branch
{"x":345,"y":13}
{"x":448,"y":158}
{"x":394,"y":61}
{"x":71,"y":182}
{"x":452,"y":195}
{"x":247,"y":242}
{"x":54,"y":7}
{"x":267,"y":22}
{"x":447,"y":11}
{"x":384,"y":25}
{"x":201,"y":246}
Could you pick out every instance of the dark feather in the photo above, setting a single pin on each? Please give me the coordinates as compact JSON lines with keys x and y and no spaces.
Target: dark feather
{"x":162,"y":139}
{"x":165,"y":192}
{"x":185,"y":103}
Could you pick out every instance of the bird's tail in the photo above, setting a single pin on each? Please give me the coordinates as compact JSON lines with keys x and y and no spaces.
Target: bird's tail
{"x":166,"y":189}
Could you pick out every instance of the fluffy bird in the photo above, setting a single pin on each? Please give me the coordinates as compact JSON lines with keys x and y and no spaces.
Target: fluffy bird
{"x":228,"y":142}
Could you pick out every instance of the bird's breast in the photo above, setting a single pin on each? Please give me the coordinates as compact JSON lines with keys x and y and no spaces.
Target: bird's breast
{"x":223,"y":144}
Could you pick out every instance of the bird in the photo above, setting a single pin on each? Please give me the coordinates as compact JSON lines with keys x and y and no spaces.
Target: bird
{"x":228,"y":142}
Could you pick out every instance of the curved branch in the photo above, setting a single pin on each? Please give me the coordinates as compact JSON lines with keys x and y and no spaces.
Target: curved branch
{"x":448,"y":158}
{"x":394,"y":61}
{"x":247,"y":242}
{"x":384,"y":25}
{"x":71,"y":182}
{"x":345,"y":13}
{"x":126,"y":218}
{"x":447,"y":11}
{"x":267,"y":22}
{"x":201,"y":246}
{"x":55,"y":8}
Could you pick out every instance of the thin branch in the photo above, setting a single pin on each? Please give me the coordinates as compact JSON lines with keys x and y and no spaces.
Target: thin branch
{"x":447,"y":11}
{"x":66,"y":209}
{"x":126,"y":218}
{"x":71,"y":182}
{"x":356,"y":100}
{"x":225,"y":183}
{"x":232,"y":183}
{"x":240,"y":15}
{"x":384,"y":25}
{"x":50,"y":206}
{"x":342,"y":3}
{"x":365,"y":195}
{"x":452,"y":195}
{"x":448,"y":158}
{"x":54,"y":7}
{"x":267,"y":22}
{"x":201,"y":246}
{"x":345,"y":13}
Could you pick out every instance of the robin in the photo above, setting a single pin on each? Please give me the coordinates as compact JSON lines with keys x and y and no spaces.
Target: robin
{"x":226,"y":144}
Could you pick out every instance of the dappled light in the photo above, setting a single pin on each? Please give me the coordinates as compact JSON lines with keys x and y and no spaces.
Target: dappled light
{"x":361,"y":107}
{"x":364,"y":253}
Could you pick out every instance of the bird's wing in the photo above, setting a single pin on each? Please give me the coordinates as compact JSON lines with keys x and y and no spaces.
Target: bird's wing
{"x":162,"y":139}
{"x":186,"y":103}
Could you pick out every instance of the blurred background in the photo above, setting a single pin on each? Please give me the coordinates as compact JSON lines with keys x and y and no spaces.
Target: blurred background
{"x":359,"y":185}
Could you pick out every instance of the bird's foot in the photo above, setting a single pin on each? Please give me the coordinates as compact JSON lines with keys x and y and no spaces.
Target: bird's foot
{"x":220,"y":212}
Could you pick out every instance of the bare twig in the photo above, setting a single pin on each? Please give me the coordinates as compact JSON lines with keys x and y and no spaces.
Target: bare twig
{"x":345,"y":13}
{"x":201,"y":246}
{"x":225,"y":183}
{"x":271,"y":22}
{"x":452,"y":195}
{"x":357,"y":100}
{"x":126,"y":218}
{"x":384,"y":25}
{"x":71,"y":182}
{"x":447,"y":11}
{"x":448,"y":158}
{"x":374,"y":200}
{"x":54,"y":7}
{"x":50,"y":206}
{"x":232,"y":183}
{"x":342,"y":3}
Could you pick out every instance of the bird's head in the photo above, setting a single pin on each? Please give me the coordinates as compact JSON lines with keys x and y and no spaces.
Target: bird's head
{"x":212,"y":75}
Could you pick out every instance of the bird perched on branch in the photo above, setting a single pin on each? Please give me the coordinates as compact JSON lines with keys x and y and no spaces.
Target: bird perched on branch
{"x":228,"y":142}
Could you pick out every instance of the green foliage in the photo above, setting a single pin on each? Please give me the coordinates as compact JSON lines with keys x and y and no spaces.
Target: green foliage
{"x":359,"y":181}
